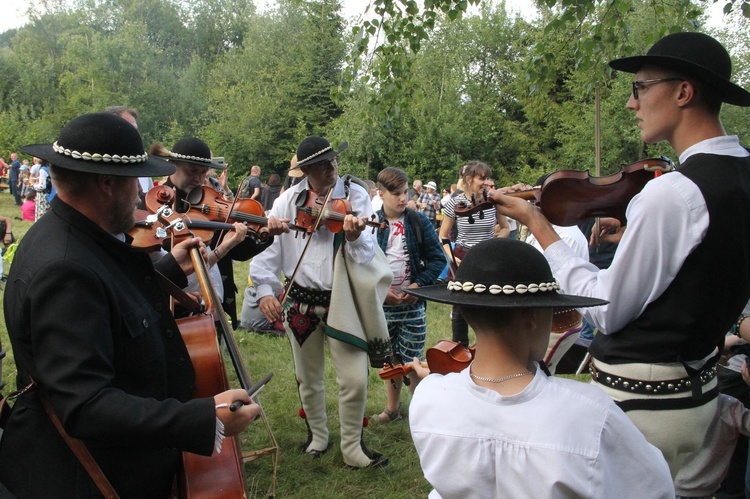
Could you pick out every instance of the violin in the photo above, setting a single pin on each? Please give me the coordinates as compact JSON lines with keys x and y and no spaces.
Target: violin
{"x":150,"y":234}
{"x":452,"y":357}
{"x":310,"y":209}
{"x":445,"y":357}
{"x":211,"y":204}
{"x":477,"y":205}
{"x":570,"y":197}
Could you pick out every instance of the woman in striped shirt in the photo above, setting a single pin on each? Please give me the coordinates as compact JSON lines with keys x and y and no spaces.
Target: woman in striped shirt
{"x":474,"y":176}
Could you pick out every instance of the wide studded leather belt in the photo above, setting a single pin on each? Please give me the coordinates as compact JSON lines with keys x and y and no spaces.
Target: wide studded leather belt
{"x":310,"y":296}
{"x":652,"y":387}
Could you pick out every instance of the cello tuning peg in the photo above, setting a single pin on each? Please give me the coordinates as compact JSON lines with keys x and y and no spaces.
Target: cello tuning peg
{"x":471,"y":219}
{"x":407,"y":381}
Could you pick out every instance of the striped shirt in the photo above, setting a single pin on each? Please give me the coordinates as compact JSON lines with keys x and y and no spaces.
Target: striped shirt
{"x":471,"y":234}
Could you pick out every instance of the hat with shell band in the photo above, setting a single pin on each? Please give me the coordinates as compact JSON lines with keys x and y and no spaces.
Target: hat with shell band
{"x":193,"y":150}
{"x":101,"y":143}
{"x":316,"y":149}
{"x":695,"y":55}
{"x":504,"y":273}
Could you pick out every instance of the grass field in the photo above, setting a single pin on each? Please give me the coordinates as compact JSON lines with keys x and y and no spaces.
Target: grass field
{"x":298,"y":475}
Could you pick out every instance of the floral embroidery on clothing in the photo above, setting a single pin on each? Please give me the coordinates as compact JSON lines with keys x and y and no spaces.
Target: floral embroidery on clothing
{"x":302,"y":321}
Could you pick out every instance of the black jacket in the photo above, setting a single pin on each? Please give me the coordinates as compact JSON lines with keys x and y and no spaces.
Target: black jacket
{"x":88,"y":321}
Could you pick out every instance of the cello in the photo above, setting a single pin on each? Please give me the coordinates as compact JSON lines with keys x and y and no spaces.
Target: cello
{"x":219,"y":475}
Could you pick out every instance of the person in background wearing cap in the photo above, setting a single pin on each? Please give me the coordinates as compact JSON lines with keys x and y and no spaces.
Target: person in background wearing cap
{"x":91,"y":327}
{"x":675,"y":285}
{"x":504,"y":428}
{"x":429,"y":202}
{"x":192,"y":159}
{"x":306,"y":309}
{"x":294,"y":176}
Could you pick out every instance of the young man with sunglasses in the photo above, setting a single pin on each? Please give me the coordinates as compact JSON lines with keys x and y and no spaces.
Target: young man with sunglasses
{"x":676,"y":284}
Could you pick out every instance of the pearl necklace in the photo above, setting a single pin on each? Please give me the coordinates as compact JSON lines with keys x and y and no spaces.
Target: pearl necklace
{"x":499,"y":380}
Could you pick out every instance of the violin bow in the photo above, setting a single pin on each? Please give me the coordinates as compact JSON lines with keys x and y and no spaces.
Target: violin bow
{"x":231,"y":208}
{"x":307,"y":245}
{"x":597,"y":155}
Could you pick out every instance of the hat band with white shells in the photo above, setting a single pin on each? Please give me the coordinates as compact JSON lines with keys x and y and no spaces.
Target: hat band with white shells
{"x":314,"y":155}
{"x":96,"y":157}
{"x":185,"y":156}
{"x":496,"y":289}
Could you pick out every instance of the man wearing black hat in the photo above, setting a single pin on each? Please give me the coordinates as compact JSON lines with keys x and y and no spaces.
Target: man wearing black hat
{"x":502,"y":427}
{"x":91,"y":327}
{"x":192,"y":159}
{"x":675,"y":285}
{"x":306,"y":309}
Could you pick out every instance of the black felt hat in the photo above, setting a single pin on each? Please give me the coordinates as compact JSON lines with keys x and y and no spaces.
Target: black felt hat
{"x":693,"y":54}
{"x":101,"y":143}
{"x":192,"y":150}
{"x":504,"y":273}
{"x":316,"y":149}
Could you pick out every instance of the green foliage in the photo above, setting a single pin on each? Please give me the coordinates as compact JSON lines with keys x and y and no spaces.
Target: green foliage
{"x":421,"y":87}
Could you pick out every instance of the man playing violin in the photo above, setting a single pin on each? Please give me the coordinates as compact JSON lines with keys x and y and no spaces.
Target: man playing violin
{"x":91,"y":328}
{"x":675,"y":285}
{"x":306,"y":307}
{"x":192,"y":159}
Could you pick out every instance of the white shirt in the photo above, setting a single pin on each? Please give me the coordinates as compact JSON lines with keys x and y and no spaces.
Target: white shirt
{"x":557,"y":438}
{"x":666,"y":221}
{"x":397,"y":255}
{"x":572,"y":236}
{"x":316,"y":270}
{"x":41,"y":181}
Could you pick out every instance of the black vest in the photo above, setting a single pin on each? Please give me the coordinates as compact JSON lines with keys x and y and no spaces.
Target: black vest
{"x":710,"y":290}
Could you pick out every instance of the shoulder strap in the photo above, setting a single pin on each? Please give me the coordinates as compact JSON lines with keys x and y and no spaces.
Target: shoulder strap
{"x":416,"y":226}
{"x":349,"y":178}
{"x":79,"y":449}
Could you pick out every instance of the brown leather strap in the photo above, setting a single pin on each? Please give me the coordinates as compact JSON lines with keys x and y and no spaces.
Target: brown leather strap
{"x":79,"y":449}
{"x":182,"y":297}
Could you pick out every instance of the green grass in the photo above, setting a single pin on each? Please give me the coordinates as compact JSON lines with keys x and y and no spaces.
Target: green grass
{"x":299,"y":476}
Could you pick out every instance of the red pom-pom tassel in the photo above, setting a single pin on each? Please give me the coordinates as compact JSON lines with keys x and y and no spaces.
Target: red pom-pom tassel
{"x":302,"y":413}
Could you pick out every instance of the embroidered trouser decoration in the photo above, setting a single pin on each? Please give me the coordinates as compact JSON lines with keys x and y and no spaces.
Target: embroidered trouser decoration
{"x":302,"y":320}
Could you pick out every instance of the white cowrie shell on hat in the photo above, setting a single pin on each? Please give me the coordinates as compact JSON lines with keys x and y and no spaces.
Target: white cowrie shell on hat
{"x":479,"y":288}
{"x":468,"y":286}
{"x":533,"y":288}
{"x":521,"y":289}
{"x":496,"y":289}
{"x":508,"y":289}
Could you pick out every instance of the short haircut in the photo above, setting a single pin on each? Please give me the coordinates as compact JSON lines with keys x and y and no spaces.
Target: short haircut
{"x":390,"y":179}
{"x":74,"y":183}
{"x":118,"y":110}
